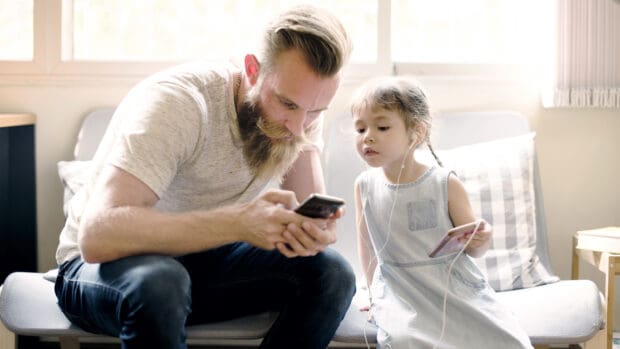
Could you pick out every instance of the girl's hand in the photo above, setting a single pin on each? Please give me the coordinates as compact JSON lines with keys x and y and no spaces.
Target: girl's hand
{"x":480,"y":242}
{"x":366,"y":308}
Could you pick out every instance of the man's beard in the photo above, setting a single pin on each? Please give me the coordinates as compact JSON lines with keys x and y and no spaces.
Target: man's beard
{"x":269,"y":149}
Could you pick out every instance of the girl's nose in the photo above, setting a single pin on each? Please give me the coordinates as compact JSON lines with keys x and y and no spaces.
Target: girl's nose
{"x":368,"y":138}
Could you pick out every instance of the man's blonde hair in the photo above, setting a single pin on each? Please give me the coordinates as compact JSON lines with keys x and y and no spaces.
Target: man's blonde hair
{"x":315,"y":32}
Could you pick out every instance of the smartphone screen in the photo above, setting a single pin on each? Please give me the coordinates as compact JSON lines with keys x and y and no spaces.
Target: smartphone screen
{"x":319,"y":206}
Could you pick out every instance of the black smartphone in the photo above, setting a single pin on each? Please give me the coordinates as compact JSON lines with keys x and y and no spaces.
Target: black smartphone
{"x":319,"y":206}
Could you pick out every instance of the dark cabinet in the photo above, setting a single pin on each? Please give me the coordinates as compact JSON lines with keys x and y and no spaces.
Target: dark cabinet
{"x":18,"y":216}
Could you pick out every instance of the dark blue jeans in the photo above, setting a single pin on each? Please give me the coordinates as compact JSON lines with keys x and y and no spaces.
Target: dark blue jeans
{"x":147,"y":300}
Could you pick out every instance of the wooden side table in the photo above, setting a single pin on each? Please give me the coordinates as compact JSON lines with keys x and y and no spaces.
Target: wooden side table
{"x":601,"y":248}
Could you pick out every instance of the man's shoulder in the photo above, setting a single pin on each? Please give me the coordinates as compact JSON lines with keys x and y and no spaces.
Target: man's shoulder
{"x":196,"y":71}
{"x":187,"y":78}
{"x":195,"y":86}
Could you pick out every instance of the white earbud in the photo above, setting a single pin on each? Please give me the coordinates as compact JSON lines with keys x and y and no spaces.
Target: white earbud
{"x":412,"y":142}
{"x":412,"y":137}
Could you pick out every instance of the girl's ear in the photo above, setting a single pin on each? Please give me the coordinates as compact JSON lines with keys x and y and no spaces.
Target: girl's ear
{"x":252,"y":67}
{"x":418,"y":135}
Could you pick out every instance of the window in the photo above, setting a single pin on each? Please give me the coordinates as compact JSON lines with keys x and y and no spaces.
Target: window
{"x":164,"y":30}
{"x":132,"y":38}
{"x":472,"y":31}
{"x":17,"y":21}
{"x":585,"y":71}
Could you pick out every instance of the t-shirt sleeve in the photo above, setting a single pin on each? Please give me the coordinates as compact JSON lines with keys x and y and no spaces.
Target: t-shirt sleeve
{"x":159,"y":130}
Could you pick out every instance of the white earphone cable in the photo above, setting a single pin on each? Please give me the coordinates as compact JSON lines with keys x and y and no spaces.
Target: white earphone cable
{"x":383,"y":246}
{"x":447,"y":288}
{"x":389,"y":232}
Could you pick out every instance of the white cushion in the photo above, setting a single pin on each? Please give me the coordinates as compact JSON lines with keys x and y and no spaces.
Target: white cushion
{"x":73,"y":175}
{"x":564,"y":312}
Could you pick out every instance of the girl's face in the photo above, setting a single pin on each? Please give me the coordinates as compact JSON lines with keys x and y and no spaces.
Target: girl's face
{"x":382,"y":137}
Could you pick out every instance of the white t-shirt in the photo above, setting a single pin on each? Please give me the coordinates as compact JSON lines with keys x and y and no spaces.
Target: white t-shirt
{"x":175,"y":131}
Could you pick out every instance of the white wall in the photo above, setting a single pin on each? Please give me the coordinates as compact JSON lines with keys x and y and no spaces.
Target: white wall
{"x":578,"y":149}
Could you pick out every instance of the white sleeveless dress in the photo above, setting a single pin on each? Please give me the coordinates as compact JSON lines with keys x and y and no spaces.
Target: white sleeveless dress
{"x":408,"y":286}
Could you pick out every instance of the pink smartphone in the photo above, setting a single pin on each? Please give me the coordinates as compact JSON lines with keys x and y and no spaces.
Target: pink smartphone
{"x":450,"y":242}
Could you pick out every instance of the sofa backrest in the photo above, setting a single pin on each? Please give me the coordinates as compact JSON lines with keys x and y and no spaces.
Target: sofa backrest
{"x":342,"y":164}
{"x":91,"y":132}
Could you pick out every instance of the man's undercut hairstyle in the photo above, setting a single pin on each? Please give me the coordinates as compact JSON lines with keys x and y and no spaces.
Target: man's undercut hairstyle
{"x":316,"y":33}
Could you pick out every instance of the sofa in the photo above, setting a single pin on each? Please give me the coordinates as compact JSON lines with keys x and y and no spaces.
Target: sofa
{"x":497,"y":144}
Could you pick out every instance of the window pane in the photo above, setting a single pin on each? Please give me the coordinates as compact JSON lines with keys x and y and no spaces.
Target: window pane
{"x":188,"y":29}
{"x":472,"y":31}
{"x":16,"y":33}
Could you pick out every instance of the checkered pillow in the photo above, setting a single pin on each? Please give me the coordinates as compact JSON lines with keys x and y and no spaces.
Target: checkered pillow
{"x":498,"y":176}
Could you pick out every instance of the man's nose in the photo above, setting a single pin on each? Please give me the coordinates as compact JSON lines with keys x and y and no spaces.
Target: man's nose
{"x":295,"y":123}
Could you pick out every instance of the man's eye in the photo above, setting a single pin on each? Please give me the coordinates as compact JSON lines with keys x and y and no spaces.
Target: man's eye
{"x":289,"y":105}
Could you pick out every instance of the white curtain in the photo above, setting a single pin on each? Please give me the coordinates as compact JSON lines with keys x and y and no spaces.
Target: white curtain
{"x":587,"y":61}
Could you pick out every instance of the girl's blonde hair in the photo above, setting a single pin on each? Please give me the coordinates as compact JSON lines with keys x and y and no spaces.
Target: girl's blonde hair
{"x":398,"y":94}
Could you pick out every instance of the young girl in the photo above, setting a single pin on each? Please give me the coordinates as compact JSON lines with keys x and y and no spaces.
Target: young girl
{"x":403,"y":209}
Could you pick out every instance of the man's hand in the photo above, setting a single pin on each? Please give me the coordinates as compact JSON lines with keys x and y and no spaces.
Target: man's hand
{"x":264,"y":219}
{"x":269,"y":222}
{"x":309,"y":236}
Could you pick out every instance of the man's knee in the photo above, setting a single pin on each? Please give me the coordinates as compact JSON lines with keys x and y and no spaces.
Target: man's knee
{"x":161,"y":284}
{"x":337,"y":276}
{"x":156,"y":301}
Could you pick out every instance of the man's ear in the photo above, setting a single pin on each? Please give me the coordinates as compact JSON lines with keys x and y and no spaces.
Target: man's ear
{"x":252,"y":67}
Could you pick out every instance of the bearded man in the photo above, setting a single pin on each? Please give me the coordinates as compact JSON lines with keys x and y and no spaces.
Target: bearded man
{"x":175,"y":226}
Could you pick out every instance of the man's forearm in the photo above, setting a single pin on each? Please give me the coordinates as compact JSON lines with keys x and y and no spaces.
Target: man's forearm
{"x":118,"y":232}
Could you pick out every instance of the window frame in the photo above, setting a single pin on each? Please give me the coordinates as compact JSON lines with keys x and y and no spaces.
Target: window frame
{"x":49,"y":63}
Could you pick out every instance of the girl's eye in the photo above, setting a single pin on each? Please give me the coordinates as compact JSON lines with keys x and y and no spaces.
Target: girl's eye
{"x":383,"y":128}
{"x":361,"y":130}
